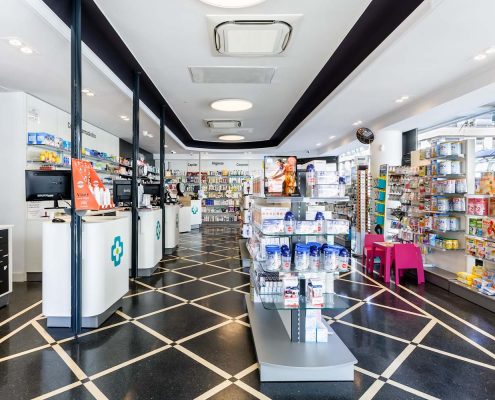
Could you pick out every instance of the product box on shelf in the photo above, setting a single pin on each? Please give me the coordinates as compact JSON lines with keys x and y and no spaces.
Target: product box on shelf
{"x":326,"y":191}
{"x":315,"y":291}
{"x":272,"y":226}
{"x":488,"y":228}
{"x":306,"y":227}
{"x":477,"y":206}
{"x":260,"y":213}
{"x":490,"y":251}
{"x":487,"y":184}
{"x":337,"y":226}
{"x":326,"y":177}
{"x":291,"y":291}
{"x":310,"y":215}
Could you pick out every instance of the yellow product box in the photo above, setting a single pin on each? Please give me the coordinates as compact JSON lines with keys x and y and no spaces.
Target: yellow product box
{"x":465,"y":278}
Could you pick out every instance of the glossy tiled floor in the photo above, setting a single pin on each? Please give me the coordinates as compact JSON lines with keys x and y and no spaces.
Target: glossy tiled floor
{"x":184,"y":334}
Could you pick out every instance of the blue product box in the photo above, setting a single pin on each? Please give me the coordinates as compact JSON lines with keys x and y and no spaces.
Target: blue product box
{"x":45,"y":138}
{"x":31,"y":138}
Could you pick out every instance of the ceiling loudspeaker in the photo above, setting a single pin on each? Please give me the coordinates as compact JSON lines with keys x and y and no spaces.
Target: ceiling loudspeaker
{"x":365,"y":135}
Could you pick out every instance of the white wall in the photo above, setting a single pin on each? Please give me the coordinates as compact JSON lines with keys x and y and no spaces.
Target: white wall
{"x":13,"y":156}
{"x":385,"y":149}
{"x":21,"y":113}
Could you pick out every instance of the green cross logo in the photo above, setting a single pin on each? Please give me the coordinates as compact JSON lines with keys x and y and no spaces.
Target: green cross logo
{"x":117,"y":251}
{"x":195,"y":210}
{"x":158,"y":230}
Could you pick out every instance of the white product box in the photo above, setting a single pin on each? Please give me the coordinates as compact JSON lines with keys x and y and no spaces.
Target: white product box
{"x":321,"y":332}
{"x":336,"y":226}
{"x":310,"y":335}
{"x":326,"y":178}
{"x":260,"y":213}
{"x":310,"y":215}
{"x":326,"y":191}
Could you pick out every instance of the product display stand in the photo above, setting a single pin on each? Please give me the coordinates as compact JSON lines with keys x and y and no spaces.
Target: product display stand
{"x":285,"y":353}
{"x":282,"y":358}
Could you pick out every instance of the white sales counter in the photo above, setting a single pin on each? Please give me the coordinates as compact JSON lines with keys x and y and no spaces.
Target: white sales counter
{"x":171,"y":227}
{"x":106,"y":256}
{"x":196,"y":214}
{"x":185,"y":219}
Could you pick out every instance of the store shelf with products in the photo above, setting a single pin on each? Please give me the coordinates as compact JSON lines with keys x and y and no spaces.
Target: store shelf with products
{"x":291,"y":283}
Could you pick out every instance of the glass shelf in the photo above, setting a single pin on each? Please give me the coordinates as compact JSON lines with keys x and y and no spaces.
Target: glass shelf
{"x":331,"y":301}
{"x":457,"y":157}
{"x":301,"y":199}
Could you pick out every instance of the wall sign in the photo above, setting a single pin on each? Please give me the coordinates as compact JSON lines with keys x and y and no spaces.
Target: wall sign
{"x":87,"y":133}
{"x":217,"y":163}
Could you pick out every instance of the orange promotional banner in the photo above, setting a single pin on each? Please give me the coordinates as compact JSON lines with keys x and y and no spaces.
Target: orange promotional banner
{"x":89,"y":191}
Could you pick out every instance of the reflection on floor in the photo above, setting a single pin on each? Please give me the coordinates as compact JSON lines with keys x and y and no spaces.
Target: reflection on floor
{"x":183,"y":333}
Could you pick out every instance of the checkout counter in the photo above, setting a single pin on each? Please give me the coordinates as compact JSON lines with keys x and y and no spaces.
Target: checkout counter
{"x":106,"y":259}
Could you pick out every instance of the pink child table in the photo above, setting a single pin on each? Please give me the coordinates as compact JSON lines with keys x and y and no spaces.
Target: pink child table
{"x":387,"y":248}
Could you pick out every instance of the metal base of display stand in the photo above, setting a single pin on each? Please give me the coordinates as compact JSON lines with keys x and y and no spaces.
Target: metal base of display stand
{"x":281,"y":360}
{"x":169,"y":251}
{"x":245,"y":256}
{"x":87,"y":322}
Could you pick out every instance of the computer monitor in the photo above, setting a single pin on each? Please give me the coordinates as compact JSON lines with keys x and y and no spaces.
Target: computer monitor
{"x":152,"y":189}
{"x":48,"y":185}
{"x":122,"y":191}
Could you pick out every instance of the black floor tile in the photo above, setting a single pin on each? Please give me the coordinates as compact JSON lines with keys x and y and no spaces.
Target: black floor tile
{"x":177,"y":263}
{"x":233,"y":392}
{"x":389,"y":392}
{"x":24,"y":294}
{"x":78,"y":393}
{"x":184,"y":252}
{"x":168,"y":374}
{"x":135,"y":288}
{"x":229,"y":279}
{"x":354,"y":290}
{"x":373,"y":352}
{"x":33,"y":374}
{"x":15,"y":323}
{"x":228,"y":253}
{"x":206,"y":257}
{"x":193,"y":290}
{"x":388,"y":299}
{"x":311,"y":390}
{"x":182,"y":321}
{"x":105,"y":349}
{"x":443,"y":339}
{"x":146,"y":303}
{"x":230,"y":303}
{"x":396,"y":323}
{"x":164,"y":279}
{"x":26,"y":339}
{"x":201,"y":270}
{"x":246,"y":289}
{"x":229,"y":347}
{"x":230,"y":263}
{"x":168,"y":257}
{"x":447,"y":377}
{"x":334,"y":313}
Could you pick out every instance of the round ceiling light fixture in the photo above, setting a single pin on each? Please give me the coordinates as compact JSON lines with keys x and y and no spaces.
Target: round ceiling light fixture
{"x":232,"y":3}
{"x":231,"y":105}
{"x":231,"y":138}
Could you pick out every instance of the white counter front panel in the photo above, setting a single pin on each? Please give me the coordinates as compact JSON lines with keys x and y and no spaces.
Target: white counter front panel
{"x":196,"y":212}
{"x":106,"y":255}
{"x":150,"y":238}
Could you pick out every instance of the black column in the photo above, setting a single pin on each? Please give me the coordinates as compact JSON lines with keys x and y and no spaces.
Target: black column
{"x":409,"y":144}
{"x":162,"y":174}
{"x":76,"y":130}
{"x":134,"y":183}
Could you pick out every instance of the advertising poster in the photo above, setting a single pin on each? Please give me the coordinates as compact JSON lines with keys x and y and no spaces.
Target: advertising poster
{"x":280,"y":176}
{"x":87,"y":186}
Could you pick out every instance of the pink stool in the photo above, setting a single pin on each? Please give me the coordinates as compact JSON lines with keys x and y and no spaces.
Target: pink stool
{"x":368,"y":254}
{"x":408,"y":256}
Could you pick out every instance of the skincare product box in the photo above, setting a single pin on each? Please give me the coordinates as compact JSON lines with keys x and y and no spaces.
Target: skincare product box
{"x":272,"y":226}
{"x":315,"y":292}
{"x":306,"y":227}
{"x":291,"y":291}
{"x":337,"y":226}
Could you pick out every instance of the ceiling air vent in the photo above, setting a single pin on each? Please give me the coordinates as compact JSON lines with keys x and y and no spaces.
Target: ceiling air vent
{"x":223,"y":123}
{"x":252,"y":37}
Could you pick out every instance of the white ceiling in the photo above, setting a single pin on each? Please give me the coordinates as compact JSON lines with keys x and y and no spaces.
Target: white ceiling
{"x":167,"y":37}
{"x":46,"y":75}
{"x":430,"y":59}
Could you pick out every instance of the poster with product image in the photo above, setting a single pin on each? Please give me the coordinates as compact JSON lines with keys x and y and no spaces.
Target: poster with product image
{"x":280,"y":176}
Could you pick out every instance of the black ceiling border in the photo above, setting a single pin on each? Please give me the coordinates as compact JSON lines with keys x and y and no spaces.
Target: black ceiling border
{"x":377,"y":22}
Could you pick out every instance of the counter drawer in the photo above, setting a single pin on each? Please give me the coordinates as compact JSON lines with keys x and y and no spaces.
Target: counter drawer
{"x":4,"y":278}
{"x":4,"y":236}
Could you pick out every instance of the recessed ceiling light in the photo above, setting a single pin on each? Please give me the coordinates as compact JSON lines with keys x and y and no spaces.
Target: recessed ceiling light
{"x":232,"y":3}
{"x":357,"y":123}
{"x":90,"y":94}
{"x":85,"y":90}
{"x":318,"y":144}
{"x":402,"y":99}
{"x":15,"y":42}
{"x":231,"y":105}
{"x":490,"y":50}
{"x":479,"y":57}
{"x":173,"y":152}
{"x":332,"y":137}
{"x":166,"y":146}
{"x":150,"y":135}
{"x":26,"y":50}
{"x":124,"y":117}
{"x":231,"y":138}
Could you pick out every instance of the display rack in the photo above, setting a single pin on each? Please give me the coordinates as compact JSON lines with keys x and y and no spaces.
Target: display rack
{"x":283,"y":349}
